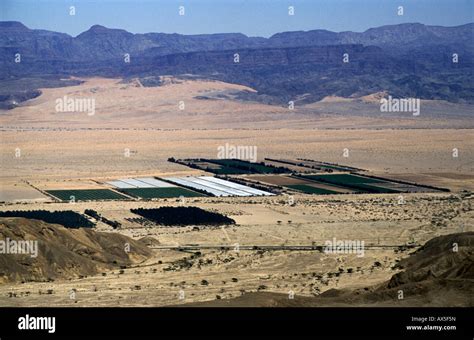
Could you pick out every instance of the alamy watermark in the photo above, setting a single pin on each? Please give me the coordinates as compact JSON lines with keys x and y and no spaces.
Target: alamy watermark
{"x":242,"y":152}
{"x":67,"y":104}
{"x":28,"y":322}
{"x":391,"y":104}
{"x":21,"y":247}
{"x":344,"y":247}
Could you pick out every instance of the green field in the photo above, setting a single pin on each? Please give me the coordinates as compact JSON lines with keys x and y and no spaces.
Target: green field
{"x":359,"y":183}
{"x":149,"y":193}
{"x":311,"y":190}
{"x":227,"y":170}
{"x":343,"y":179}
{"x":372,"y":189}
{"x":234,"y":166}
{"x":86,"y":195}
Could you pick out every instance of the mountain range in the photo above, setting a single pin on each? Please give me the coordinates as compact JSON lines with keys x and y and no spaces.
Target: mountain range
{"x":409,"y":60}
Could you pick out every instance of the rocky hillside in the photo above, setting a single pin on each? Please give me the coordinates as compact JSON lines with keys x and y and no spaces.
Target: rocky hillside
{"x":64,"y":253}
{"x":406,"y":60}
{"x":102,"y":43}
{"x":400,"y":38}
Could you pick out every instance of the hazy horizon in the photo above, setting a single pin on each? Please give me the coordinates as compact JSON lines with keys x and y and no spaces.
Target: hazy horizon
{"x":253,"y":18}
{"x":235,"y":32}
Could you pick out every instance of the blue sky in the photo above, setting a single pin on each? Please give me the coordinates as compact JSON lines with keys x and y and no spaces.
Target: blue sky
{"x":251,"y":17}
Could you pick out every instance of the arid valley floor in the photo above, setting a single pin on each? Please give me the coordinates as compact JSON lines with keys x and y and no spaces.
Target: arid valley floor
{"x":69,"y":150}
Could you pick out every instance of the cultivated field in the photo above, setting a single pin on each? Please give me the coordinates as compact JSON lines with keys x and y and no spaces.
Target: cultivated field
{"x":299,"y":183}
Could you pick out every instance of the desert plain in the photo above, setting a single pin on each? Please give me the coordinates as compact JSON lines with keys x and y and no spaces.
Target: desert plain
{"x":135,"y":129}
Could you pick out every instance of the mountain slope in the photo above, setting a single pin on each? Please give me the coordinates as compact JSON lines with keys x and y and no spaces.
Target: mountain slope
{"x":406,"y":60}
{"x":400,"y":37}
{"x":64,"y":253}
{"x":103,"y":43}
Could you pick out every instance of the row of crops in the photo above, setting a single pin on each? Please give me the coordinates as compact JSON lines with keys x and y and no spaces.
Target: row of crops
{"x":231,"y":166}
{"x":86,"y":195}
{"x":307,"y":189}
{"x":150,"y":193}
{"x":69,"y":219}
{"x":106,"y":194}
{"x":248,"y":167}
{"x":357,"y":183}
{"x":168,"y":216}
{"x":183,"y":216}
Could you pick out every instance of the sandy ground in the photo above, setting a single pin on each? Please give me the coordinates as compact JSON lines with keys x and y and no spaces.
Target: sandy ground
{"x":122,"y":105}
{"x":60,"y":150}
{"x":176,"y":105}
{"x":374,"y":219}
{"x":71,"y":159}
